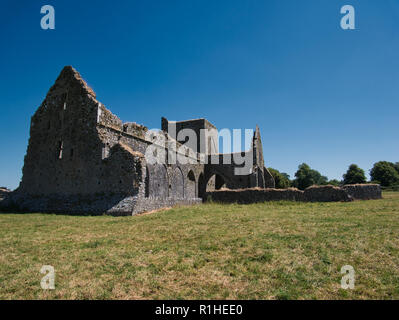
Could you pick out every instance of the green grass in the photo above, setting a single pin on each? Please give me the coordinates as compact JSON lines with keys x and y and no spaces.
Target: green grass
{"x":276,"y":250}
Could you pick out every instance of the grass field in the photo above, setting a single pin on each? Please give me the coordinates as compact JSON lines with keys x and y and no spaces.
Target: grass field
{"x":277,"y":250}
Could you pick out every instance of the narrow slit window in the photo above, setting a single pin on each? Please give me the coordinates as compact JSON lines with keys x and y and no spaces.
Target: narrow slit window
{"x":60,"y":148}
{"x":65,"y":97}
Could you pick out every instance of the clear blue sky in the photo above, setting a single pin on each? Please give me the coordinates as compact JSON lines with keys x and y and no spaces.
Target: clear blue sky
{"x":320,"y":95}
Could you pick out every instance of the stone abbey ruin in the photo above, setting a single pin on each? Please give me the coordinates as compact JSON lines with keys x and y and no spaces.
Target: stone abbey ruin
{"x":83,"y":159}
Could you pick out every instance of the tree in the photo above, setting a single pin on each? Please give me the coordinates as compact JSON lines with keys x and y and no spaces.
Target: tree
{"x":286,"y":175}
{"x":334,"y":182}
{"x":385,"y":173}
{"x":354,"y":175}
{"x":396,"y":166}
{"x":281,"y":179}
{"x":306,"y":177}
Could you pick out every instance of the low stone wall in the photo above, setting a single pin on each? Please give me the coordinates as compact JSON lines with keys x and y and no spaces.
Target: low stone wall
{"x":363,"y":191}
{"x":312,"y":194}
{"x":326,"y":194}
{"x":124,"y":205}
{"x":117,"y":205}
{"x":246,"y":196}
{"x":79,"y":204}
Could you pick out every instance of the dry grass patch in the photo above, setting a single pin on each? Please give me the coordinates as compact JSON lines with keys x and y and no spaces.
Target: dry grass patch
{"x":275,"y":250}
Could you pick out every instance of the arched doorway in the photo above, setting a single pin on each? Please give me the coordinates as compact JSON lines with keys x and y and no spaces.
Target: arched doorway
{"x":201,"y":186}
{"x":215,"y":182}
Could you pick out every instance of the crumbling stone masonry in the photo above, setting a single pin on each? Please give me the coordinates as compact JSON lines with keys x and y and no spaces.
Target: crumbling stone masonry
{"x":364,"y":191}
{"x":82,"y":159}
{"x":311,"y":194}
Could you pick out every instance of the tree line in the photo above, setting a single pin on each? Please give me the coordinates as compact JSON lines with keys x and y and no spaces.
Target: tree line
{"x":384,"y":173}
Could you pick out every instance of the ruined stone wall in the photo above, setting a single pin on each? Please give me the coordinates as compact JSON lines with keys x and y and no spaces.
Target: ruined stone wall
{"x":326,"y":194}
{"x":163,"y":180}
{"x":363,"y":191}
{"x":207,"y":136}
{"x":123,"y":171}
{"x":135,"y":129}
{"x":64,"y":152}
{"x":112,"y":204}
{"x":67,"y":155}
{"x":82,"y":158}
{"x":269,"y":180}
{"x":255,"y":195}
{"x":311,"y":194}
{"x":223,"y":166}
{"x":226,"y":165}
